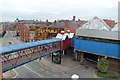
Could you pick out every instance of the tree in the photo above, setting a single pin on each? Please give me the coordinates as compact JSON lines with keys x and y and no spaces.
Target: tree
{"x":103,"y":65}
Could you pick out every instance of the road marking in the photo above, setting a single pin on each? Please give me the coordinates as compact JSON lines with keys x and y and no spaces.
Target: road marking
{"x":33,"y":71}
{"x":16,"y":73}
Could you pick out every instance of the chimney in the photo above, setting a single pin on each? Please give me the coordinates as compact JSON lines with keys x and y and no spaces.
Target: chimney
{"x":47,"y":22}
{"x":74,"y":18}
{"x":55,"y":23}
{"x":66,"y":23}
{"x":78,"y":20}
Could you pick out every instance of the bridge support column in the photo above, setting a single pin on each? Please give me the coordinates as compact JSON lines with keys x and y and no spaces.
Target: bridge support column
{"x":75,"y":55}
{"x":1,"y":75}
{"x":52,"y":57}
{"x":60,"y":57}
{"x":81,"y":56}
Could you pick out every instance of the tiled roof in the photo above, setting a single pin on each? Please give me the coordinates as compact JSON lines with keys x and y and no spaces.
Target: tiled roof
{"x":111,"y":23}
{"x":116,"y":28}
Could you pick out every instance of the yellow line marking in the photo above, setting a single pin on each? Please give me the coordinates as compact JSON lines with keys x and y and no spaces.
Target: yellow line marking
{"x":16,"y":73}
{"x":94,"y":73}
{"x":4,"y":75}
{"x":33,"y":71}
{"x":74,"y":67}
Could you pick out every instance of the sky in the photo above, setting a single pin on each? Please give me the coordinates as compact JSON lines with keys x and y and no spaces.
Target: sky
{"x":58,"y":9}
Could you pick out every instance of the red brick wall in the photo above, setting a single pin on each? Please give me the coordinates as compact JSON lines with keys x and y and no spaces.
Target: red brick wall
{"x":66,"y":43}
{"x":72,"y":30}
{"x":24,"y":31}
{"x":114,"y":64}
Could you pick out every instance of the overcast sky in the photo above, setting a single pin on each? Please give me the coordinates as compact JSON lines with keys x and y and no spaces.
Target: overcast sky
{"x":58,"y":9}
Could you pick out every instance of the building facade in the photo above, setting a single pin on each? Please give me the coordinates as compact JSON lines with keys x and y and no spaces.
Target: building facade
{"x":95,"y":40}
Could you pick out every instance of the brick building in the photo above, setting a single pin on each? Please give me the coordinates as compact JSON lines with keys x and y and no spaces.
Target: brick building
{"x":30,"y":30}
{"x":71,"y":25}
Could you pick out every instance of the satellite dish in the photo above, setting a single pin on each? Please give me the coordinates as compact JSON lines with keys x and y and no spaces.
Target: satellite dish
{"x":75,"y":76}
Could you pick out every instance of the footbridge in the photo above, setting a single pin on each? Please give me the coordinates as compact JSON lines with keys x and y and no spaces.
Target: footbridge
{"x":19,"y":54}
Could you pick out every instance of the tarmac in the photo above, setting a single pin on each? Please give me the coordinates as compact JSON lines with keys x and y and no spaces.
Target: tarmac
{"x":86,"y":69}
{"x":67,"y":63}
{"x":70,"y":67}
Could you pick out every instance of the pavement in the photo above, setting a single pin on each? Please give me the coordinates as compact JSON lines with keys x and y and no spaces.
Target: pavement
{"x":70,"y":67}
{"x":67,"y":64}
{"x":10,"y":74}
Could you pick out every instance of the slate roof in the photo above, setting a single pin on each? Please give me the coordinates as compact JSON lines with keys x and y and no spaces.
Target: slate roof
{"x":97,"y":28}
{"x":26,"y":21}
{"x":96,"y":24}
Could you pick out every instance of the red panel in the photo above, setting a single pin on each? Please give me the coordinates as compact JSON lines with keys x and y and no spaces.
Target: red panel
{"x":66,"y":43}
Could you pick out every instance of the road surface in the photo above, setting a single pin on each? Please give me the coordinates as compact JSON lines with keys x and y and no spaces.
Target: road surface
{"x":35,"y":70}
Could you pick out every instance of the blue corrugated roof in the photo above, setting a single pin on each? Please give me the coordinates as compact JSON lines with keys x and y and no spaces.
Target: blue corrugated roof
{"x":13,"y":48}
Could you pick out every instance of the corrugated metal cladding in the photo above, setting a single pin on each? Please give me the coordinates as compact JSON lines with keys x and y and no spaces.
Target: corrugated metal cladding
{"x":97,"y":47}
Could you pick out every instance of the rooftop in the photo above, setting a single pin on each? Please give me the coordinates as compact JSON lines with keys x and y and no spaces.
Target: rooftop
{"x":96,"y":24}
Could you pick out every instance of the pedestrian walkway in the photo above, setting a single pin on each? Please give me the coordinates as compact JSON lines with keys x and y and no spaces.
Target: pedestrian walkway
{"x":66,"y":64}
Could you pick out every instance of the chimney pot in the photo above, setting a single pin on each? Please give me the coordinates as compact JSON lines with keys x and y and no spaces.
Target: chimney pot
{"x":68,"y":31}
{"x":62,"y":32}
{"x":74,"y":18}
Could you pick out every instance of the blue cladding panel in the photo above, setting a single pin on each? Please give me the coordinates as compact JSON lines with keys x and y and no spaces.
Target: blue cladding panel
{"x":97,"y":47}
{"x":73,"y":39}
